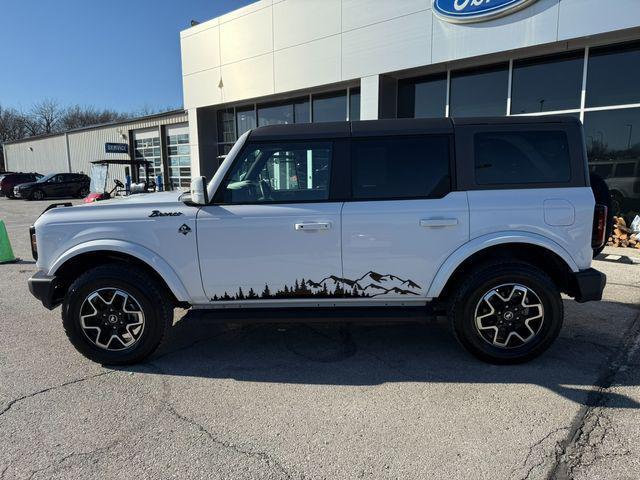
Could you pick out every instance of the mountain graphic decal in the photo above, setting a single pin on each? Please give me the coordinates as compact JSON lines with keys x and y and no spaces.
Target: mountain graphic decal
{"x":369,"y":285}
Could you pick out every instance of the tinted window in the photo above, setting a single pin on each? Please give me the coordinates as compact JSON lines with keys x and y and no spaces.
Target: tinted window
{"x":245,"y":119}
{"x":394,"y":167}
{"x":354,"y":104}
{"x":548,"y":84}
{"x":275,"y":114}
{"x":267,"y":173}
{"x":423,"y":98}
{"x":614,"y":76}
{"x":613,"y":146}
{"x":301,"y":111}
{"x":479,"y":92}
{"x":521,"y":157}
{"x":330,"y":108}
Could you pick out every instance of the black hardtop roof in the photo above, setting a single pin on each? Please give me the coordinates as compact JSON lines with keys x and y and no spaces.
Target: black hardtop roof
{"x":396,"y":126}
{"x":114,"y":161}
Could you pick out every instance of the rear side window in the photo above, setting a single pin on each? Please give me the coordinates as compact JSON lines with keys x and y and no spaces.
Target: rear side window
{"x":400,"y":167}
{"x":503,"y":158}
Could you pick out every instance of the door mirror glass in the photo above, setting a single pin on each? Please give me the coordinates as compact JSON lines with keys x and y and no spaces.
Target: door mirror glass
{"x":199,"y":191}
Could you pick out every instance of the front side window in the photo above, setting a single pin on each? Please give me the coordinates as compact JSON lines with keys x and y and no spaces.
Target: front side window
{"x":276,"y":172}
{"x":503,"y":158}
{"x":400,"y":167}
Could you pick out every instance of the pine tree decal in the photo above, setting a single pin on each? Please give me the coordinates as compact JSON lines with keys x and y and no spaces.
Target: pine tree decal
{"x":266,"y":293}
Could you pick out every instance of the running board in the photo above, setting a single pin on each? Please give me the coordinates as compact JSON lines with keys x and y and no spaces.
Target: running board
{"x":306,"y":314}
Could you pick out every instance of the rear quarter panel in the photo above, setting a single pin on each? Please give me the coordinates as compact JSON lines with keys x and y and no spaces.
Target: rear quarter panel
{"x":563,"y":215}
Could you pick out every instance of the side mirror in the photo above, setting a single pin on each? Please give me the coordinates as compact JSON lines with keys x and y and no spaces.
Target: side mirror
{"x":199,"y":191}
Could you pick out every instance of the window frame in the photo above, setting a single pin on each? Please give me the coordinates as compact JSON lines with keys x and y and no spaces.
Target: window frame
{"x":452,"y":166}
{"x":339,"y":147}
{"x":465,"y":158}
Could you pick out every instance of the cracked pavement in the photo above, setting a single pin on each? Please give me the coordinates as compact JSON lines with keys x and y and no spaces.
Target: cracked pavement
{"x":317,"y":401}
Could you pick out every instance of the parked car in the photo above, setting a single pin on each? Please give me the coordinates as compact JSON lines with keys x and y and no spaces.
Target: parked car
{"x":486,"y":221}
{"x":54,"y":185}
{"x":9,"y":180}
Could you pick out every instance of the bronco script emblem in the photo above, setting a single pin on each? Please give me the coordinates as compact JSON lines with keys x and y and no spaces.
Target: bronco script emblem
{"x":158,"y":213}
{"x":468,"y":11}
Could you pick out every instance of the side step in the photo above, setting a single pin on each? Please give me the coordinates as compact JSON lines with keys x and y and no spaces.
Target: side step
{"x":307,"y":314}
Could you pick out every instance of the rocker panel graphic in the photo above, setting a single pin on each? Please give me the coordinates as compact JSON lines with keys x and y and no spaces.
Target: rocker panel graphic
{"x":369,"y":285}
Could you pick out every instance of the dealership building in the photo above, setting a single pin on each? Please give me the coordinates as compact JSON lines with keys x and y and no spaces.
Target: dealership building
{"x":293,"y":61}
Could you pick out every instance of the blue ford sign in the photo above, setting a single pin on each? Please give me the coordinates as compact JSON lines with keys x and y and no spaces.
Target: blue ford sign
{"x":116,"y":148}
{"x":468,"y":11}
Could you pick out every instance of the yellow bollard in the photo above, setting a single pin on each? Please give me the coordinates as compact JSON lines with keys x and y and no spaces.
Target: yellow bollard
{"x":6,"y":253}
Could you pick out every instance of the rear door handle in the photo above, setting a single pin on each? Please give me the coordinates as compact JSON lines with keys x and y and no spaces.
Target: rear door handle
{"x":313,"y":226}
{"x":439,"y":222}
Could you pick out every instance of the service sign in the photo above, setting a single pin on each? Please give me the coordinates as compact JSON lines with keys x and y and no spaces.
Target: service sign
{"x":469,"y":11}
{"x":116,"y":148}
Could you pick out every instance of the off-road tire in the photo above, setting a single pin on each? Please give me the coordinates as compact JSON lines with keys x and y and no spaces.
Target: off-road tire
{"x":465,"y":300}
{"x":151,"y":297}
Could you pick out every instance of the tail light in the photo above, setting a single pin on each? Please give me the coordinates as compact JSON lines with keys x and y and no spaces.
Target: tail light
{"x":34,"y":245}
{"x":598,"y":236}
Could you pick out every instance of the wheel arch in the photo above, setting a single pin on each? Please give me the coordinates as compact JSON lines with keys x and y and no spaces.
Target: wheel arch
{"x":533,"y":249}
{"x":83,"y":257}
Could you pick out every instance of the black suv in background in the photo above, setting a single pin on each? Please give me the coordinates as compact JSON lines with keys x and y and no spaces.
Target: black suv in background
{"x":55,"y":185}
{"x":9,"y":180}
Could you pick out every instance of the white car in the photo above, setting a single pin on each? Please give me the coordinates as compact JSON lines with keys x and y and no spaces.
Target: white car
{"x":485,"y":220}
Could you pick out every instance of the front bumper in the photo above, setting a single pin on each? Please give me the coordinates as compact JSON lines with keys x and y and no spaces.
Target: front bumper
{"x":588,"y":285}
{"x":46,"y":289}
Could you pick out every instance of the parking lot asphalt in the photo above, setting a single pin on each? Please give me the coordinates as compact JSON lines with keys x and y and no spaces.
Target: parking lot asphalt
{"x":320,"y":401}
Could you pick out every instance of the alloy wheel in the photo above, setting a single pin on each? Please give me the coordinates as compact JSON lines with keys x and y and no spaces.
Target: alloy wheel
{"x":509,"y":316}
{"x":112,"y":319}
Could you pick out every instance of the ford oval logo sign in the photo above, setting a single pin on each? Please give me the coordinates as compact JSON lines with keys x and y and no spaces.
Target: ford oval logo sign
{"x":468,"y":11}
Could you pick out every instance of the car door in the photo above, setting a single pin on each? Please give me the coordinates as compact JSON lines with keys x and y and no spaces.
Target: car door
{"x":272,"y":233}
{"x":53,"y":186}
{"x":403,"y":220}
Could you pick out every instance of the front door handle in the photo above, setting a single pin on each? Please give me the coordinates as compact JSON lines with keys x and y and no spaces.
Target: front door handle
{"x":313,"y":226}
{"x":439,"y":222}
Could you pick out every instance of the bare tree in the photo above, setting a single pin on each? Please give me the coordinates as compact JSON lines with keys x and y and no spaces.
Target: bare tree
{"x":78,"y":116}
{"x":45,"y":117}
{"x":12,"y":127}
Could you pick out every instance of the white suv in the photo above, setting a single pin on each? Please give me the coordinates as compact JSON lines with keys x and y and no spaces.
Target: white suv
{"x":485,"y":220}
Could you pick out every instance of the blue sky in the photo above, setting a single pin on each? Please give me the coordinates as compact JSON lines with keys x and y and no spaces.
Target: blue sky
{"x":117,"y":54}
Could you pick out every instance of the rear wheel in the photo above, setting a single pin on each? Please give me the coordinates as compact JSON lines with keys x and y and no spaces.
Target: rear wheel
{"x":83,"y":192}
{"x":116,"y":315}
{"x":506,"y":313}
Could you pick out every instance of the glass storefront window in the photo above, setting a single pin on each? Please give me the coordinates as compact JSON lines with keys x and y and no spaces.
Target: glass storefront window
{"x":330,"y":108}
{"x":547,"y":84}
{"x":275,"y":114}
{"x":302,"y":111}
{"x":613,"y":76}
{"x":245,"y":119}
{"x":423,"y":98}
{"x":479,"y":92}
{"x":354,"y":104}
{"x":613,"y":147}
{"x":226,"y":126}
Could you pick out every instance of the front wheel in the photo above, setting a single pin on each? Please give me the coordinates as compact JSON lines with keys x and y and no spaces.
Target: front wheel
{"x":37,"y":195}
{"x":116,"y":315}
{"x":507,"y":313}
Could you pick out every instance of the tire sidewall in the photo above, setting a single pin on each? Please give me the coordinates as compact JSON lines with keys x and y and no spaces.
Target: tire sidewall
{"x":464,"y":320}
{"x":151,"y":335}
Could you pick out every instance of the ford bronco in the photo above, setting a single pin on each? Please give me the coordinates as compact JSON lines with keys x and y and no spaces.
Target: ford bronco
{"x":486,"y":221}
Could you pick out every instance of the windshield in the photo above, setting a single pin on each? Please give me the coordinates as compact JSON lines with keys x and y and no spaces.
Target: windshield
{"x":45,"y":178}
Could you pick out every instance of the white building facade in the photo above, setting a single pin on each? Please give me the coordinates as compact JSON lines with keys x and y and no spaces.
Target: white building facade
{"x":285,"y":61}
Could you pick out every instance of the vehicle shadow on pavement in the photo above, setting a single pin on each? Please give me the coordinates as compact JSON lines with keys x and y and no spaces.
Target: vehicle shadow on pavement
{"x":359,"y":354}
